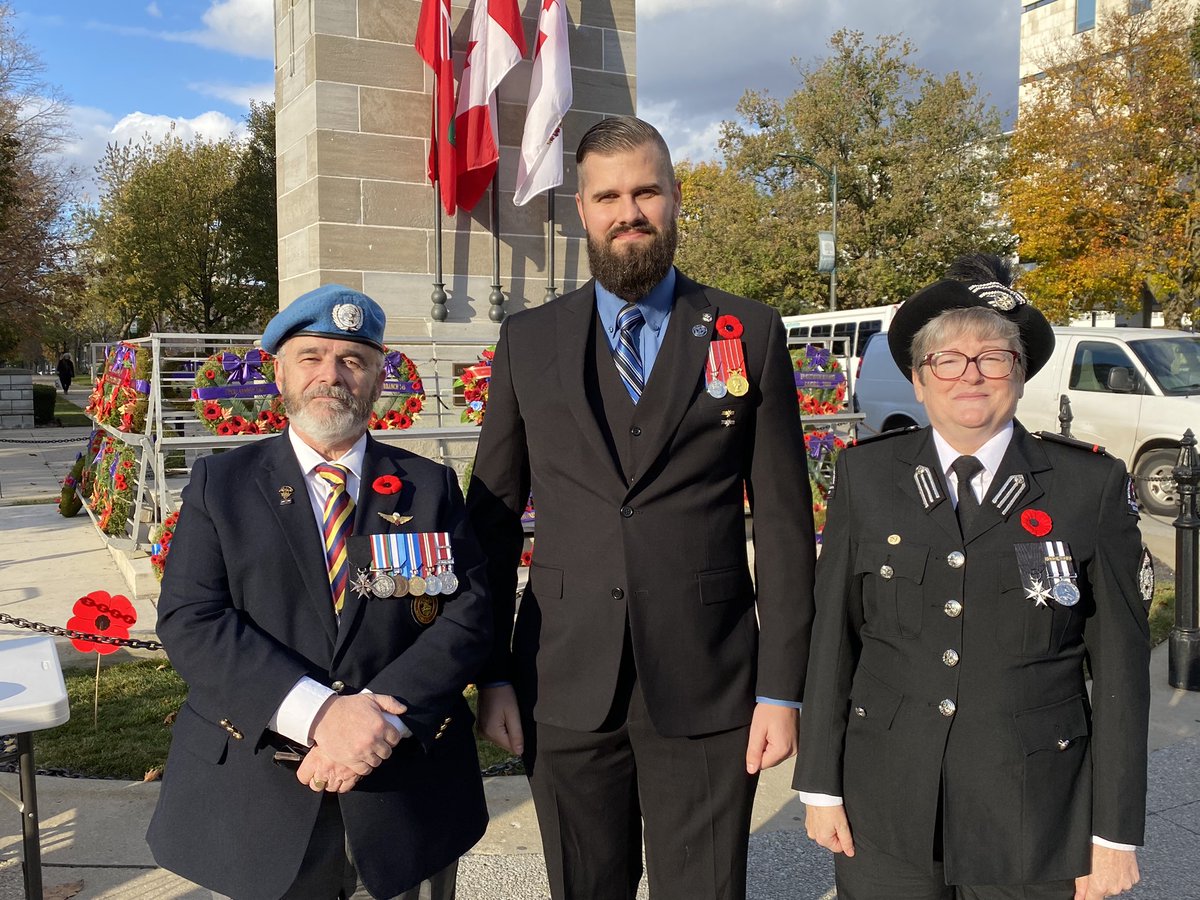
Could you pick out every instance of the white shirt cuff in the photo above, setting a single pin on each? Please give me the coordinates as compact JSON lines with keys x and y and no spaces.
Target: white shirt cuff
{"x":393,"y":720}
{"x":1112,"y":845}
{"x":294,"y":717}
{"x":819,"y":799}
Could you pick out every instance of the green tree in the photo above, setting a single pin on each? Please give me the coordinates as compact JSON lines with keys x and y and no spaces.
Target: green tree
{"x":916,"y":160}
{"x":183,"y":235}
{"x":1103,"y":186}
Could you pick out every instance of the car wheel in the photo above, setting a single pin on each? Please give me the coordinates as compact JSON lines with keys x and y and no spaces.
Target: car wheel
{"x":898,"y":422}
{"x":1156,"y":488}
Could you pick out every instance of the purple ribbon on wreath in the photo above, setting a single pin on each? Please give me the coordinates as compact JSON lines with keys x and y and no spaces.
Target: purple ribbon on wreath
{"x":818,"y":356}
{"x":243,"y":369}
{"x":823,"y":381}
{"x":820,"y":444}
{"x":123,"y":357}
{"x":391,"y":364}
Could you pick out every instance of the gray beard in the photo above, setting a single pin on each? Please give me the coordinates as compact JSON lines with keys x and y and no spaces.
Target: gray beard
{"x":632,"y":274}
{"x":335,"y":424}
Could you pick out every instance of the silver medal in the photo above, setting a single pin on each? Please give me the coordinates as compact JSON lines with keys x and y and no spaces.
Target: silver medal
{"x":1065,"y":593}
{"x":449,"y":582}
{"x":383,"y":585}
{"x":716,"y":389}
{"x":433,"y":585}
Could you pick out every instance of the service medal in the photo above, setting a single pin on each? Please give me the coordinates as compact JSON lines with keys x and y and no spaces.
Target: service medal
{"x":737,"y":384}
{"x":449,"y":583}
{"x":1065,"y":593}
{"x":716,"y":389}
{"x":383,"y":585}
{"x":424,"y":609}
{"x":401,"y":586}
{"x":433,"y":585}
{"x":416,"y":586}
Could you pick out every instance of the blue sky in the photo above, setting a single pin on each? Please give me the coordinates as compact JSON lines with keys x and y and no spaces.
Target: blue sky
{"x":132,"y":67}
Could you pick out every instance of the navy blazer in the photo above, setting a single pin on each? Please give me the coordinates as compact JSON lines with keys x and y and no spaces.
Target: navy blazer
{"x":245,"y":611}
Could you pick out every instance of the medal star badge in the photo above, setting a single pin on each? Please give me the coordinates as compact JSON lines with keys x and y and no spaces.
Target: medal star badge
{"x":395,"y":518}
{"x":1037,"y":591}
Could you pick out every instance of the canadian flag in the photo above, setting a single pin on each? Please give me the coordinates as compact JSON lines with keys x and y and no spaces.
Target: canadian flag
{"x":433,"y":46}
{"x":541,"y":164}
{"x":497,"y":45}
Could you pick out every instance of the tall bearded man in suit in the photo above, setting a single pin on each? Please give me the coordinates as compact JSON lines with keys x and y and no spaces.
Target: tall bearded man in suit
{"x":648,"y":678}
{"x":325,"y":748}
{"x":951,"y":749}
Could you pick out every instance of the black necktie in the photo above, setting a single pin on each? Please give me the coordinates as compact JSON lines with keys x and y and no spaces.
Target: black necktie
{"x":965,"y":468}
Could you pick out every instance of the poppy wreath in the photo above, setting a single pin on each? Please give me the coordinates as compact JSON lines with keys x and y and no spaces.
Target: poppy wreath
{"x":109,"y":480}
{"x":69,"y":501}
{"x":820,"y":381}
{"x":474,"y":382}
{"x":823,"y":448}
{"x":121,"y":394}
{"x":100,"y":613}
{"x":403,"y":396}
{"x":160,"y":543}
{"x":234,"y":393}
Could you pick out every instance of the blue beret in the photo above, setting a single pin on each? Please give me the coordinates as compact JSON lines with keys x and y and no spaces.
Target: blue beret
{"x":331,"y":311}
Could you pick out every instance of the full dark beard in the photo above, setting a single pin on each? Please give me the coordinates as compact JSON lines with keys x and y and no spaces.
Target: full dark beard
{"x":632,"y":273}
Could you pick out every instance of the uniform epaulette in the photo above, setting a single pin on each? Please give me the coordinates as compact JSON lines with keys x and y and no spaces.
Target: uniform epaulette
{"x":908,"y":429}
{"x":1071,"y":442}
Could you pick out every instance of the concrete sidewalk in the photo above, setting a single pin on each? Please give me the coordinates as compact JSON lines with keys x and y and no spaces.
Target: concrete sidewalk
{"x":93,"y":830}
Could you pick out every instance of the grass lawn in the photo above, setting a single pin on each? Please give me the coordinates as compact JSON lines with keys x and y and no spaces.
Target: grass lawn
{"x":1162,"y":614}
{"x":68,"y":413}
{"x":136,"y":702}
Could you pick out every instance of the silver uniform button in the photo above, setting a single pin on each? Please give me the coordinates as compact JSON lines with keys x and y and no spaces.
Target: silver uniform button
{"x":947,"y":708}
{"x":952,"y":608}
{"x":886,"y":572}
{"x":950,"y":658}
{"x":956,"y":559}
{"x":860,"y":712}
{"x":1063,"y":743}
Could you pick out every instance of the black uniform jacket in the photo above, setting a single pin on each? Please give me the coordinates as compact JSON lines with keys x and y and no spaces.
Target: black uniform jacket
{"x":932,"y":664}
{"x":658,"y":542}
{"x":245,"y":611}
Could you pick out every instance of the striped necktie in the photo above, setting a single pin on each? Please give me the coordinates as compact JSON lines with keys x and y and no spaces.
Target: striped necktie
{"x":628,"y":359}
{"x":338,"y":521}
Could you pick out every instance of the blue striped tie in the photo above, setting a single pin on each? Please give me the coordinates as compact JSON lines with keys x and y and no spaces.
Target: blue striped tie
{"x":338,"y":522}
{"x":628,"y":359}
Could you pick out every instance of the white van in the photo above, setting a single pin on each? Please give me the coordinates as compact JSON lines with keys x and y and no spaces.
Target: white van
{"x":1134,"y":391}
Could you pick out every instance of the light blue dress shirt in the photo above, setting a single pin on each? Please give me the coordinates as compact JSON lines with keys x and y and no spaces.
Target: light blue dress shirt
{"x":656,"y":310}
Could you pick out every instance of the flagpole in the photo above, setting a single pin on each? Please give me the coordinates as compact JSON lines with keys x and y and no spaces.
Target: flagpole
{"x":496,"y":297}
{"x":551,"y":291}
{"x":438,"y":313}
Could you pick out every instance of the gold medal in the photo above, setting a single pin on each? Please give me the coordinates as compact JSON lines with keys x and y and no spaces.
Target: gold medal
{"x":401,"y":587}
{"x":737,"y":384}
{"x":416,"y":586}
{"x":424,"y":609}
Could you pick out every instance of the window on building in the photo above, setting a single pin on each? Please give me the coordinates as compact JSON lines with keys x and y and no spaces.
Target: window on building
{"x":1085,"y":15}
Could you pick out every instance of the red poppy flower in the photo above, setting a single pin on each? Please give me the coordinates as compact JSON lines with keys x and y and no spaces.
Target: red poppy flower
{"x":468,"y":377}
{"x":251,"y":428}
{"x":527,"y":558}
{"x":729,"y":327}
{"x":210,"y":374}
{"x":413,"y":404}
{"x":266,"y":416}
{"x":387,"y":484}
{"x":1036,"y":522}
{"x":237,"y":422}
{"x":403,"y":421}
{"x":213,"y":411}
{"x":127,"y":464}
{"x":225,"y":429}
{"x":100,"y":613}
{"x":119,"y":482}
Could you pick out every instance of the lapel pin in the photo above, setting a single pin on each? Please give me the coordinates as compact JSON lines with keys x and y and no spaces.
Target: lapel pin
{"x":706,"y":317}
{"x":285,"y":494}
{"x":699,"y":330}
{"x":395,"y":518}
{"x":726,"y":413}
{"x":893,"y":539}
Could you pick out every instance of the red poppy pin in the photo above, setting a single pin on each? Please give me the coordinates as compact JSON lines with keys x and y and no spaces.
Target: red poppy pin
{"x":1036,"y":522}
{"x":729,"y":327}
{"x":101,"y":614}
{"x":387,"y":484}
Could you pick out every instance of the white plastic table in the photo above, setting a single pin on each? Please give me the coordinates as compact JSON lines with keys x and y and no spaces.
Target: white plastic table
{"x":33,"y":697}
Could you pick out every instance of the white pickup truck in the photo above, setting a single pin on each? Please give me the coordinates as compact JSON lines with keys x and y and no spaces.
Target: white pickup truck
{"x":1134,"y":391}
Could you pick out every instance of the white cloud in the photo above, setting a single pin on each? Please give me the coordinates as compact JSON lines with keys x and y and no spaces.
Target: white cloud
{"x":210,"y":126}
{"x":153,"y":10}
{"x":691,"y":138}
{"x":240,"y":27}
{"x":239,"y":94}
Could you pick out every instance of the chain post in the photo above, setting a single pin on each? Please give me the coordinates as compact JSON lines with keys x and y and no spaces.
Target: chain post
{"x":1183,"y":668}
{"x":1065,"y":416}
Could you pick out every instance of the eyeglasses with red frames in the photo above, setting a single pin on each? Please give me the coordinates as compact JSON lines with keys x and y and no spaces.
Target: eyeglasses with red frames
{"x":950,"y":365}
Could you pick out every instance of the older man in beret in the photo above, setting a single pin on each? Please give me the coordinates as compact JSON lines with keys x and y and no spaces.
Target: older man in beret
{"x":325,"y":746}
{"x":949,"y":747}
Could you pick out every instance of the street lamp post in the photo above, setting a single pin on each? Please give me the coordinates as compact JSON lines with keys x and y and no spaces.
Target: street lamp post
{"x":831,"y":174}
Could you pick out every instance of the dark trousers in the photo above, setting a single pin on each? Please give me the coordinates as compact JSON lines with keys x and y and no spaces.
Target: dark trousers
{"x":872,"y":874}
{"x":327,"y":871}
{"x":597,"y":793}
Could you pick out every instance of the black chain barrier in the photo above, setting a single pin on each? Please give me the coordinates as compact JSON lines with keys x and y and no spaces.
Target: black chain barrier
{"x":58,"y":631}
{"x":74,"y":440}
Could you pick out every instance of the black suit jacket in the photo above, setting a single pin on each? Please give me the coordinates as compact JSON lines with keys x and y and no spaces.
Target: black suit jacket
{"x":1029,"y":768}
{"x":245,"y":611}
{"x":662,"y":546}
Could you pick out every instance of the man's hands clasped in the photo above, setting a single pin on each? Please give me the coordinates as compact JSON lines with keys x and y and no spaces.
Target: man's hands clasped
{"x":351,"y":738}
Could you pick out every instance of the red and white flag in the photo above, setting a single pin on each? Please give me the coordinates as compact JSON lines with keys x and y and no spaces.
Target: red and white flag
{"x":433,"y":44}
{"x":497,"y":45}
{"x":540,"y":167}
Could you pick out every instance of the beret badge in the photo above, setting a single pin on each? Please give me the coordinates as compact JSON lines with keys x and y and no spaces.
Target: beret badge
{"x":348,"y":316}
{"x":999,"y":297}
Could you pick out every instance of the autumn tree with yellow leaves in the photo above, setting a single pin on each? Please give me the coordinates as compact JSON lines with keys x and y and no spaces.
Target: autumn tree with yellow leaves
{"x":1103,"y":186}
